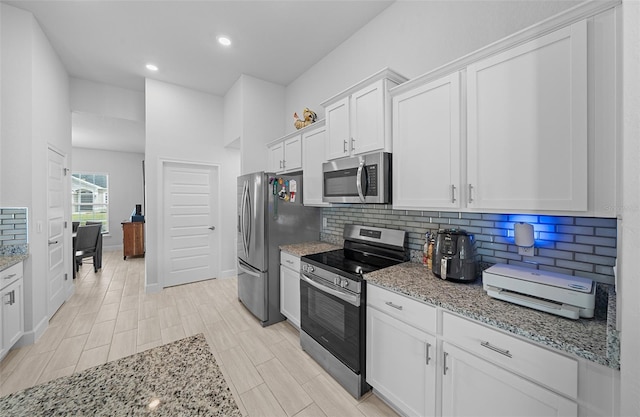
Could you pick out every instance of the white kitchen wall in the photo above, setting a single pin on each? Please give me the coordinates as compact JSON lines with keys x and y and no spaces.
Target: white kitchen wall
{"x":187,"y":125}
{"x":106,"y":100}
{"x":125,"y":185}
{"x":35,"y":115}
{"x":630,"y":224}
{"x":233,"y":115}
{"x":413,"y":37}
{"x":261,"y":104}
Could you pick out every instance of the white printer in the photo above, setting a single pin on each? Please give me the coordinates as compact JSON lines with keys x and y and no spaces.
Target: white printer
{"x":560,"y":294}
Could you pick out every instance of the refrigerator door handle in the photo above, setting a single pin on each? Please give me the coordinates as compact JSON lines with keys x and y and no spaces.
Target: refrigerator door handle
{"x":250,"y":220}
{"x":243,"y":201}
{"x":246,"y":270}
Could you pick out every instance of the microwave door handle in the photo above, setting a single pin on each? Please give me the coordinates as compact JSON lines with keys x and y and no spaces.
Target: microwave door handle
{"x":359,"y":181}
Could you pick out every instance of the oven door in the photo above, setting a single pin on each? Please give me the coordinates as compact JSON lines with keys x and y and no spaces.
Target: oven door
{"x":334,"y":319}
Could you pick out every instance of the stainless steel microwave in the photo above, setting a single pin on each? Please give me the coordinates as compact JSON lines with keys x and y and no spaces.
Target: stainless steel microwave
{"x":360,"y":179}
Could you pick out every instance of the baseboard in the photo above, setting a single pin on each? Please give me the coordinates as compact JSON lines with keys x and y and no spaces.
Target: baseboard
{"x":152,"y":288}
{"x":229,"y":273}
{"x":32,"y":336}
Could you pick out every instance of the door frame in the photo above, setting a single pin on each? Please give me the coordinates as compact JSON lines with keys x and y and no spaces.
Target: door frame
{"x":67,"y":246}
{"x":164,"y":162}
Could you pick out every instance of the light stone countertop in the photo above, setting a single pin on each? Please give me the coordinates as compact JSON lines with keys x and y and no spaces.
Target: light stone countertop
{"x":7,"y":261}
{"x":591,"y":339}
{"x":308,"y":248}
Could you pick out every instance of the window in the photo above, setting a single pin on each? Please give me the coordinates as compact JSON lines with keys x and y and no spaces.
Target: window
{"x":90,"y":198}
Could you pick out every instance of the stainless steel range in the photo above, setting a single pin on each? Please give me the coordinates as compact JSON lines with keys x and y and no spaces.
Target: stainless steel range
{"x":333,"y":300}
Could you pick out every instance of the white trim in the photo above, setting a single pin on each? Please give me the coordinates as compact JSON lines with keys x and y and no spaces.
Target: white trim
{"x":228,"y":273}
{"x":32,"y":336}
{"x":575,"y":14}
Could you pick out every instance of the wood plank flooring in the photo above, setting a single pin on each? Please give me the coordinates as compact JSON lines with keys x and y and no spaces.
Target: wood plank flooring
{"x":110,"y":317}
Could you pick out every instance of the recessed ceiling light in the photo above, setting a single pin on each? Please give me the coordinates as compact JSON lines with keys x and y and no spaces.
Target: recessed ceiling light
{"x":152,"y":67}
{"x":223,"y":40}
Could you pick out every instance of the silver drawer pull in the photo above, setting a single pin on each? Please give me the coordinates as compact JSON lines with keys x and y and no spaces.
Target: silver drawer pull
{"x":496,"y":349}
{"x":289,"y":262}
{"x":390,"y":304}
{"x":428,"y":359}
{"x":10,"y":276}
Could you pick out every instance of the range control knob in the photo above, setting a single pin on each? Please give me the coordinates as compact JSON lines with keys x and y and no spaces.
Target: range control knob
{"x":307,"y":268}
{"x":344,"y":283}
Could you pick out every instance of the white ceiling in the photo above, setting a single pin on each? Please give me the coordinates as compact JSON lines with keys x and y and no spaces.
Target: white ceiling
{"x":111,"y":41}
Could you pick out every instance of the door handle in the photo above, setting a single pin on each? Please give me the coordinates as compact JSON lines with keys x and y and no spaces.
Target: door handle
{"x":212,"y":228}
{"x":344,"y":146}
{"x":453,"y":193}
{"x":359,"y":181}
{"x":53,"y":242}
{"x":470,"y":195}
{"x":427,"y":353}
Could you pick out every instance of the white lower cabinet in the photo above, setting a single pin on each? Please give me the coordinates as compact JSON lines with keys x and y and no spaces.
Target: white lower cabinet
{"x":401,"y":364}
{"x":290,"y":287}
{"x":474,"y":387}
{"x":425,"y":361}
{"x":11,"y":307}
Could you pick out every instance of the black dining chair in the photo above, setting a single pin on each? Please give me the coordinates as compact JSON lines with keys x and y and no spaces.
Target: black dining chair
{"x":87,"y":245}
{"x":74,"y":226}
{"x":89,"y":223}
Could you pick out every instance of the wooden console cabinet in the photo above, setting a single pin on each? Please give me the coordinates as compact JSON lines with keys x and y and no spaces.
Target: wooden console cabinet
{"x":132,"y":239}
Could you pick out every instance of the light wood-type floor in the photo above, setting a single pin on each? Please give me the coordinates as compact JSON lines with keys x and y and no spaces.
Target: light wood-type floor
{"x":110,"y":317}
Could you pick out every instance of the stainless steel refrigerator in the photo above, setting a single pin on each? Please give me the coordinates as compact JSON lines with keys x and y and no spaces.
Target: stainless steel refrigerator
{"x":268,"y":218}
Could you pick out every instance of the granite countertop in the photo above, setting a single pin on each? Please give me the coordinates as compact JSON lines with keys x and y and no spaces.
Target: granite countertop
{"x":308,"y":248}
{"x":7,"y":261}
{"x":592,"y":339}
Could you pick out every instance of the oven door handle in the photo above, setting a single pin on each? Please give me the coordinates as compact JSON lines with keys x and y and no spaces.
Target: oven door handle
{"x":349,"y":298}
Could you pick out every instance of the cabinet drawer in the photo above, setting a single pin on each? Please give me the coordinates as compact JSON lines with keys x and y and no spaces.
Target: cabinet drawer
{"x":412,"y":312}
{"x":10,"y":275}
{"x":290,"y":261}
{"x":534,"y":362}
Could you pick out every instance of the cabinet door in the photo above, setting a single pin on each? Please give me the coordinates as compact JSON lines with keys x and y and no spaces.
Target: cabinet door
{"x":290,"y":294}
{"x":401,"y":363}
{"x":12,"y":313}
{"x":474,"y":387}
{"x":367,"y":117}
{"x":339,"y":142}
{"x":313,"y":152}
{"x":426,"y":146}
{"x":527,"y":125}
{"x":292,"y":153}
{"x":276,"y":158}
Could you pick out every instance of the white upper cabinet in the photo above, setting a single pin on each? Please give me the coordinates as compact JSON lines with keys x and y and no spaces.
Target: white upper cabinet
{"x":285,"y":154}
{"x":359,"y":118}
{"x":426,"y":145}
{"x":527,"y":125}
{"x":313,"y":156}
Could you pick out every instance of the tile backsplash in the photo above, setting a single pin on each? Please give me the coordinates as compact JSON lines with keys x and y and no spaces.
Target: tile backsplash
{"x":581,"y":246}
{"x":13,"y":230}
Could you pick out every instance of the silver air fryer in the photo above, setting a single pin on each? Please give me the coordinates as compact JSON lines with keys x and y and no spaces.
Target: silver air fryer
{"x":453,"y":256}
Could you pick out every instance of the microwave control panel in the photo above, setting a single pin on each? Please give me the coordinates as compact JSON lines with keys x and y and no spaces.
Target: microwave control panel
{"x":372,"y":179}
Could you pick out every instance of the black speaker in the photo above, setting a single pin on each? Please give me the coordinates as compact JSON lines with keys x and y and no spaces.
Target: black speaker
{"x":138,"y":209}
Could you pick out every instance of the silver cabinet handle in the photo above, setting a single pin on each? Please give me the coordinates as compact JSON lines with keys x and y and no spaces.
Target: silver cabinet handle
{"x":453,"y":193}
{"x":53,"y":242}
{"x":10,"y":276}
{"x":344,"y":146}
{"x":496,"y":349}
{"x":396,"y":306}
{"x":445,"y":368}
{"x":353,"y":144}
{"x":428,"y":359}
{"x":470,"y":195}
{"x":212,"y":228}
{"x":289,"y":262}
{"x":13,"y":297}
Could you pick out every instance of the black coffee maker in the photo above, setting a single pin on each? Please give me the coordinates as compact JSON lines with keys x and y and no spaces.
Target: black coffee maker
{"x":453,"y":256}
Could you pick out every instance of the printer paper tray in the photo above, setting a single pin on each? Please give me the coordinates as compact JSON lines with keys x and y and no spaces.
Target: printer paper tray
{"x":560,"y":309}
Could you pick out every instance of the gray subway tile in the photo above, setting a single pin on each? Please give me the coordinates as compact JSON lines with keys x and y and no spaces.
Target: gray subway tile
{"x":594,"y":259}
{"x":604,"y":270}
{"x":523,"y":264}
{"x":580,"y":266}
{"x":598,"y":241}
{"x":494,"y":232}
{"x":604,"y":251}
{"x":495,"y":217}
{"x":574,"y":247}
{"x":449,"y":215}
{"x":481,"y":223}
{"x":525,"y":218}
{"x":555,"y":237}
{"x":556,"y":220}
{"x":471,"y":216}
{"x":597,"y":222}
{"x":558,"y":254}
{"x":606,"y":232}
{"x":508,"y":255}
{"x":576,"y":230}
{"x":459,"y":222}
{"x":557,"y":270}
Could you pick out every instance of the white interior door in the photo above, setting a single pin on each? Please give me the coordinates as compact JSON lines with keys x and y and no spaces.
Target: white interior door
{"x":191,"y":240}
{"x":56,"y":198}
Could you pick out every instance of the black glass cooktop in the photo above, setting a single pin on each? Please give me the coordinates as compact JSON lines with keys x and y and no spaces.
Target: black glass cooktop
{"x":348,"y":261}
